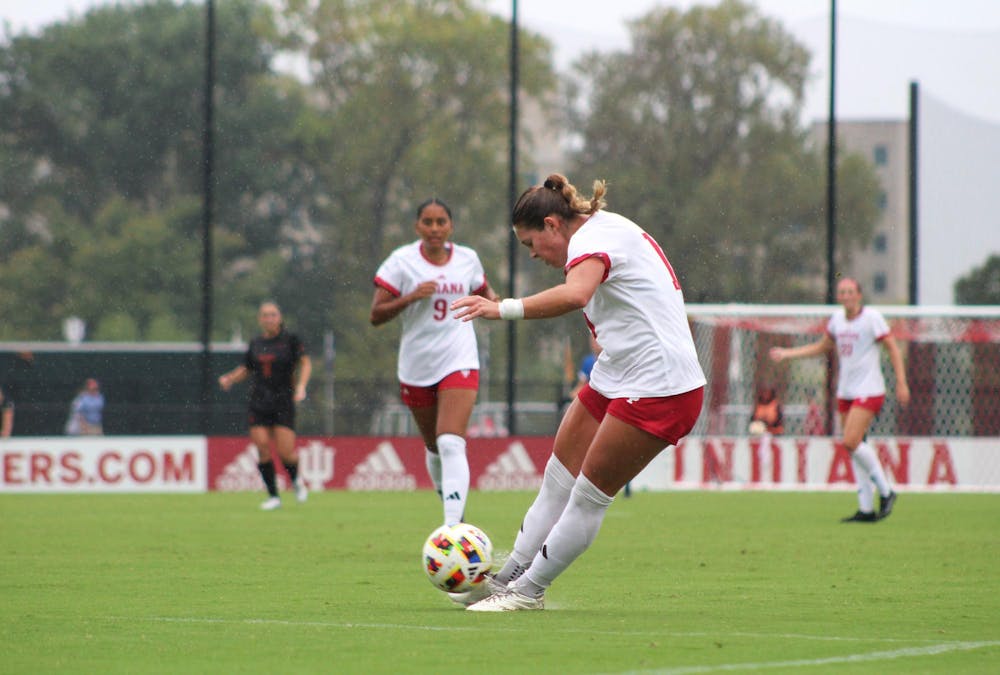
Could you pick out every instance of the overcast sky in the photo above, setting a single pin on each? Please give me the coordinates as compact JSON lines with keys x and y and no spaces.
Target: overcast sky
{"x":952,"y":47}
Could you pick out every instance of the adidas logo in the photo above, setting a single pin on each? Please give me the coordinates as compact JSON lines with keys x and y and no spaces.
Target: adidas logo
{"x":512,"y":470}
{"x":242,"y":474}
{"x":381,"y":470}
{"x":453,"y":496}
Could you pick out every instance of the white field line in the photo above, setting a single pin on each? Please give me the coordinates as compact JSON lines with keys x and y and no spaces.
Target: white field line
{"x":935,"y":644}
{"x":929,"y":650}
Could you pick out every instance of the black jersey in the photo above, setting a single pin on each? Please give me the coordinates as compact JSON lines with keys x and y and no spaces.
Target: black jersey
{"x":272,"y":363}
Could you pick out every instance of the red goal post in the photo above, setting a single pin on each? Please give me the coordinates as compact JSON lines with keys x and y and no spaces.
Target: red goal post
{"x":952,"y":358}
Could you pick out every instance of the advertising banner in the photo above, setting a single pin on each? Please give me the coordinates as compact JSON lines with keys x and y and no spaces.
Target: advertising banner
{"x":103,"y":464}
{"x":821,"y":463}
{"x":373,"y":463}
{"x":364,"y":463}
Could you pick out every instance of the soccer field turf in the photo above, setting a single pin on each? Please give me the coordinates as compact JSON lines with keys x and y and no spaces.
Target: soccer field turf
{"x":683,"y":582}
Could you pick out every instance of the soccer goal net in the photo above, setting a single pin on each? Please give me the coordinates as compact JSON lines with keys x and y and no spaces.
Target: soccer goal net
{"x":952,"y":358}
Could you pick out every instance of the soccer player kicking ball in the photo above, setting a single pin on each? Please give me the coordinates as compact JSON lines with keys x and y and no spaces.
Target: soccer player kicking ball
{"x":645,"y":391}
{"x":856,"y":331}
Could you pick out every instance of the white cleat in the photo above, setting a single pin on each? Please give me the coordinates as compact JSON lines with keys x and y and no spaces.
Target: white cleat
{"x":301,"y":491}
{"x":271,"y":504}
{"x":507,"y":600}
{"x":480,"y":591}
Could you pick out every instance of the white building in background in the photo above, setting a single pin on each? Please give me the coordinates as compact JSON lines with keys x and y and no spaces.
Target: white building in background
{"x":543,"y":140}
{"x":883,"y":268}
{"x":958,"y":205}
{"x":959,"y":197}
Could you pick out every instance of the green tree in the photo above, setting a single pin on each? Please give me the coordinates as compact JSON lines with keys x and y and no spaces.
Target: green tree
{"x":981,"y":286}
{"x":412,"y":103}
{"x":696,"y":128}
{"x":101,"y":123}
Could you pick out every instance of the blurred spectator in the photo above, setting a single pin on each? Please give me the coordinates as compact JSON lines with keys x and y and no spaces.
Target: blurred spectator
{"x":768,"y":417}
{"x":586,"y":365}
{"x":6,"y":415}
{"x":87,"y":411}
{"x":814,"y":425}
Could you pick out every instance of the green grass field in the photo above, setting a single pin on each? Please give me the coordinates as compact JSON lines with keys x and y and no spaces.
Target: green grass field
{"x":692,"y":582}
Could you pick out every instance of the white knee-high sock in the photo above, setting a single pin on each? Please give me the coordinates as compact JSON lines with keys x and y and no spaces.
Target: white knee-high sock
{"x":866,"y":491}
{"x":433,"y":462}
{"x":865,"y":456}
{"x":570,"y":536}
{"x":557,"y":483}
{"x":454,"y":476}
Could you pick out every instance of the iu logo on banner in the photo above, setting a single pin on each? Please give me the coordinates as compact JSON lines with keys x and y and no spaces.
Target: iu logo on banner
{"x":316,"y":464}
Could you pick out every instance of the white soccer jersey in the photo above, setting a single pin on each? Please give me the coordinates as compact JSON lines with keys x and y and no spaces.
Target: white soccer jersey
{"x":860,"y":371}
{"x":433,"y":344}
{"x":637,"y":313}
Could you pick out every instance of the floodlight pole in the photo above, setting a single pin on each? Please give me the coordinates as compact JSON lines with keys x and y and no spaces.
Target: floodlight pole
{"x":831,"y":165}
{"x":831,"y":202}
{"x":206,"y":219}
{"x":914,"y":192}
{"x":511,"y":240}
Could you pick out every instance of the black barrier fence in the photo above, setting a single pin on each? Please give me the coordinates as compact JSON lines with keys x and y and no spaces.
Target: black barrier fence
{"x":155,"y":389}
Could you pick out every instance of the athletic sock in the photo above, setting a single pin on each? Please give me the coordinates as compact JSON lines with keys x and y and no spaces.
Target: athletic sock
{"x":267,"y":473}
{"x":454,"y":477}
{"x":570,"y":536}
{"x":433,"y":462}
{"x":557,"y":484}
{"x":866,"y":491}
{"x":511,"y":570}
{"x":293,"y":471}
{"x":866,"y":457}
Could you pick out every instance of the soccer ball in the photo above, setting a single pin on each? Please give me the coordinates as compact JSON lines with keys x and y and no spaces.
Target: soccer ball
{"x":456,"y":558}
{"x":757,"y":427}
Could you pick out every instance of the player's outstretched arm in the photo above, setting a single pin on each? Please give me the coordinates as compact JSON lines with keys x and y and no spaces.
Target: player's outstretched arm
{"x":821,"y":346}
{"x":581,"y":283}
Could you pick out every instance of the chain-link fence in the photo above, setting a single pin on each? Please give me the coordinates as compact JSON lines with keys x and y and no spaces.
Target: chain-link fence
{"x":952,"y":358}
{"x":156,"y":389}
{"x":952,"y":362}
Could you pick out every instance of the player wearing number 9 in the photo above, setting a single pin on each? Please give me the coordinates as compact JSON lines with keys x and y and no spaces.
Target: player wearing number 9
{"x":645,"y":391}
{"x":438,"y":364}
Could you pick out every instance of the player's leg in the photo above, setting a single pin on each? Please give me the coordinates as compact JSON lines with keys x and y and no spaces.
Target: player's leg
{"x":616,"y":455}
{"x":454,"y":410}
{"x":576,"y":431}
{"x":424,"y":411}
{"x":619,"y":450}
{"x":260,"y":436}
{"x":857,"y":422}
{"x":865,"y":488}
{"x":632,"y":433}
{"x":284,"y":443}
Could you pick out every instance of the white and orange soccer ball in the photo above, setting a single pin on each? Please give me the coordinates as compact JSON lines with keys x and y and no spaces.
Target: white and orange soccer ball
{"x":456,"y":558}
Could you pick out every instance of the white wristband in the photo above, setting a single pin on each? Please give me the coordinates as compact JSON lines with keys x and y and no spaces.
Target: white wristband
{"x":511,"y":309}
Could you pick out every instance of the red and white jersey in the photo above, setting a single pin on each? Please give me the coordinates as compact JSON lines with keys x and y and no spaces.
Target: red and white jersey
{"x":433,"y":344}
{"x":860,"y":371}
{"x":637,"y":313}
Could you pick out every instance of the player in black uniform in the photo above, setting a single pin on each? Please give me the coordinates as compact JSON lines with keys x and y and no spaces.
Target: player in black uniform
{"x":280,"y":370}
